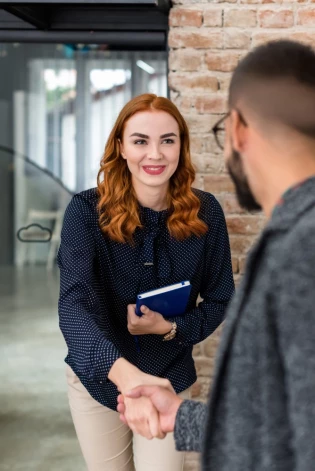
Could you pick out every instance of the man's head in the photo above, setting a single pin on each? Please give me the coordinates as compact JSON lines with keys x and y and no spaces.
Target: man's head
{"x":271,"y":123}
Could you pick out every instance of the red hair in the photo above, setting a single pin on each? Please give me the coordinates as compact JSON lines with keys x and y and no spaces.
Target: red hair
{"x":118,"y":206}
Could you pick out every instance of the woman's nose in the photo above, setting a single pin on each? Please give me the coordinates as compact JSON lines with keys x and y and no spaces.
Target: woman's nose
{"x":154,"y":153}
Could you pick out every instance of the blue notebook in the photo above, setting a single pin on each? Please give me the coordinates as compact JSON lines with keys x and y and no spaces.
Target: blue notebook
{"x":170,"y":301}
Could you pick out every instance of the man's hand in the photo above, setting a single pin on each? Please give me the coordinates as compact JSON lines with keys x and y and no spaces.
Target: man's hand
{"x":150,"y":322}
{"x":142,"y":417}
{"x":165,"y":402}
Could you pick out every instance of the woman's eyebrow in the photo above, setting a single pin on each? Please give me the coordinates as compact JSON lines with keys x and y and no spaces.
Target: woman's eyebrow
{"x":144,"y":136}
{"x":169,"y":134}
{"x":138,"y":134}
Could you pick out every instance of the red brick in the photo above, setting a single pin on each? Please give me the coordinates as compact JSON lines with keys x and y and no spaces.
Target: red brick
{"x":185,"y":60}
{"x":270,"y":1}
{"x":202,"y":39}
{"x":216,"y":103}
{"x":185,"y":17}
{"x":261,"y":38}
{"x":200,"y":123}
{"x":224,"y":61}
{"x":198,"y":182}
{"x":231,"y":205}
{"x":208,"y":164}
{"x":183,"y":103}
{"x":197,"y":350}
{"x":240,"y":244}
{"x":204,"y":366}
{"x":236,"y":39}
{"x":307,"y":38}
{"x":195,"y":389}
{"x":276,"y":18}
{"x":211,"y":147}
{"x":240,"y":18}
{"x":235,"y":264}
{"x":213,"y":17}
{"x":218,"y":184}
{"x":189,"y":2}
{"x":211,"y":348}
{"x":202,"y":81}
{"x":244,"y":225}
{"x":199,"y":162}
{"x":224,"y":82}
{"x":306,"y":17}
{"x":196,"y":144}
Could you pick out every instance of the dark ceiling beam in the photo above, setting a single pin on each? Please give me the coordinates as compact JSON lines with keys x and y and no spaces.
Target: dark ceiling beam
{"x":147,"y":40}
{"x":156,"y":3}
{"x":8,"y":21}
{"x":35,"y":16}
{"x":107,"y":19}
{"x":163,"y":5}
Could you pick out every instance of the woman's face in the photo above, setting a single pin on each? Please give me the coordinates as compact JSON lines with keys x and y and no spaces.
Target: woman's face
{"x":151,"y":146}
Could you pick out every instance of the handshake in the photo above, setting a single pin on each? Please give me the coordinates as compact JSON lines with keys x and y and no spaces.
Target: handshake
{"x":150,"y":410}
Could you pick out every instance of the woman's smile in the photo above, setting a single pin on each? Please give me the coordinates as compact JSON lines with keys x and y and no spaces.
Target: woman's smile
{"x":154,"y":169}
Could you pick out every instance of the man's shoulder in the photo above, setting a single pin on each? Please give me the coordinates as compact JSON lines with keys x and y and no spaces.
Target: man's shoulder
{"x":295,"y":249}
{"x":301,"y":236}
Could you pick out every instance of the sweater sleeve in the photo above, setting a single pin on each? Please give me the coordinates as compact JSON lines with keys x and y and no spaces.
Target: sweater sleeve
{"x":91,"y":353}
{"x":189,"y":426}
{"x":295,"y":316}
{"x":218,"y":285}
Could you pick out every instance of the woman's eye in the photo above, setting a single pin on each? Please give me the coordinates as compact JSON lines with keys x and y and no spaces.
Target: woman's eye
{"x":168,"y":141}
{"x":140,"y":142}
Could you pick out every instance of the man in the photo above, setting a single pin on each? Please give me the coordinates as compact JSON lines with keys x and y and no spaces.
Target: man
{"x":261,"y":414}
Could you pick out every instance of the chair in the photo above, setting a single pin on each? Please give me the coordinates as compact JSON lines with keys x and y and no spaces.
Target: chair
{"x":33,"y":235}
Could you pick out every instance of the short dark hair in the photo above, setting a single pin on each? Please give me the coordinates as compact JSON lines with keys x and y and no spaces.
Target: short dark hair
{"x":268,"y":67}
{"x":277,"y":59}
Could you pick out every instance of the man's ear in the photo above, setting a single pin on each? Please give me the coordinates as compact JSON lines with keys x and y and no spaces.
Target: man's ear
{"x":121,"y":149}
{"x":238,"y":131}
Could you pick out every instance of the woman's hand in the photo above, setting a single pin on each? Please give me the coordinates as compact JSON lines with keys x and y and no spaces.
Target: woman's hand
{"x":164,"y":402}
{"x":142,"y":417}
{"x":150,"y":322}
{"x":141,"y":414}
{"x":127,"y":376}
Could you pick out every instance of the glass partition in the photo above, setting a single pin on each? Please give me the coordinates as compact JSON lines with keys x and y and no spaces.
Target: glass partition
{"x":58,"y":103}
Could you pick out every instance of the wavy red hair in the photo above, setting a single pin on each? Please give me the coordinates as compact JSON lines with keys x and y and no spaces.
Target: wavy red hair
{"x":118,"y":206}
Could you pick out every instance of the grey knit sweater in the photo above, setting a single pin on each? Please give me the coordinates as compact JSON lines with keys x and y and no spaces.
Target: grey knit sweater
{"x":261,"y":413}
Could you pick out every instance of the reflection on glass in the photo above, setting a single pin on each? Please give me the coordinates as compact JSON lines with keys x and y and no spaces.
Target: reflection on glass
{"x":58,"y":104}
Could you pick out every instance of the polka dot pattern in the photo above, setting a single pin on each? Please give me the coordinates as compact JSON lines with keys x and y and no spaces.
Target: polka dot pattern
{"x":100,"y":277}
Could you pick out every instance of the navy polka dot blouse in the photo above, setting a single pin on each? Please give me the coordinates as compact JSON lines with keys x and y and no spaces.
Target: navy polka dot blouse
{"x":100,"y":277}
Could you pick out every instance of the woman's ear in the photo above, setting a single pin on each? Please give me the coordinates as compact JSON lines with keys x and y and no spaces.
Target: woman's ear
{"x":121,"y":149}
{"x":238,"y":131}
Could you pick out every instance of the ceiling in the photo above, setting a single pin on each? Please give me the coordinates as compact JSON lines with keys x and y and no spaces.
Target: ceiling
{"x":125,"y":23}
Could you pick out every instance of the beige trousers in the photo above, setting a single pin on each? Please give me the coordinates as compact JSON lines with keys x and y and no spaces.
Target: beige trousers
{"x":109,"y":445}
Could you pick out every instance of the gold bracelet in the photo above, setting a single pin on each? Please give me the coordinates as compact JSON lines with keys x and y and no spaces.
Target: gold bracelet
{"x":172,"y":333}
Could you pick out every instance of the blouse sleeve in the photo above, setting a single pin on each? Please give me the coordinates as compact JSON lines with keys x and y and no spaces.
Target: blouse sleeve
{"x":91,"y":353}
{"x":218,"y":285}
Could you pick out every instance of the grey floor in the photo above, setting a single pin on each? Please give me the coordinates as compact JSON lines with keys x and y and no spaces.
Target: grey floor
{"x":36,"y":432}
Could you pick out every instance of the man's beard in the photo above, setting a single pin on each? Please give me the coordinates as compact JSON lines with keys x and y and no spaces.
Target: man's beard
{"x":244,"y":194}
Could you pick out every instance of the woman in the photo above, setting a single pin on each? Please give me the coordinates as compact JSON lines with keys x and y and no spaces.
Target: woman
{"x":144,"y":227}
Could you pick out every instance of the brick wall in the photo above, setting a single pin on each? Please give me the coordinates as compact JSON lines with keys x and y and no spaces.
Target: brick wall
{"x":206,"y":41}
